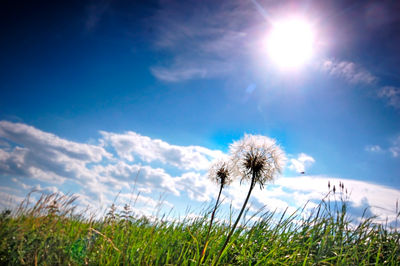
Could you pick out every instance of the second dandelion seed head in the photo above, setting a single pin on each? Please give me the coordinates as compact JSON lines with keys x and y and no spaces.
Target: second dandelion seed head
{"x":220,"y":172}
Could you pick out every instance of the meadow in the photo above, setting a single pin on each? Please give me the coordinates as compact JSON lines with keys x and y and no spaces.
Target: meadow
{"x":52,"y":232}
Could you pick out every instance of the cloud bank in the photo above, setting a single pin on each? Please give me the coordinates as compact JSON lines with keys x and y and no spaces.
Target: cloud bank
{"x":121,"y":164}
{"x":130,"y":143}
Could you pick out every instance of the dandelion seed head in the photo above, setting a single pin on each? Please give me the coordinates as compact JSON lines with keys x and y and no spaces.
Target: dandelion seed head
{"x":219,"y":172}
{"x":257,"y":155}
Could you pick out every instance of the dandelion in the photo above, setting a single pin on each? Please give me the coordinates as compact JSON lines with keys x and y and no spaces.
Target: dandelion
{"x":219,"y":173}
{"x":257,"y":159}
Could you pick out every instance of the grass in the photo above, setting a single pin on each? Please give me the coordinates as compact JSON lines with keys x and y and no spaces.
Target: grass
{"x":51,"y":233}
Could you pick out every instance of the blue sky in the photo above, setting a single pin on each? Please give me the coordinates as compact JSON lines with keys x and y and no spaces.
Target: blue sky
{"x":95,"y":92}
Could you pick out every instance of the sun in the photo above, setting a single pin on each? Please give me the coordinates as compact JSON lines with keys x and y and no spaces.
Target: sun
{"x":290,"y":43}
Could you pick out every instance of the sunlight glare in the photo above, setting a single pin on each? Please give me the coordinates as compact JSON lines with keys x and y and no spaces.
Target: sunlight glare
{"x":290,"y":43}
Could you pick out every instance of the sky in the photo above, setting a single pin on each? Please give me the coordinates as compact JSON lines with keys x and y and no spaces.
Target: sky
{"x":132,"y":100}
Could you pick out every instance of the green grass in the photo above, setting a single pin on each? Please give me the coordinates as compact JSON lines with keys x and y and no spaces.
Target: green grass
{"x":49,"y":233}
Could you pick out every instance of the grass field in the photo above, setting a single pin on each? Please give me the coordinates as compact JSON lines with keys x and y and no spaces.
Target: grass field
{"x":50,"y":233}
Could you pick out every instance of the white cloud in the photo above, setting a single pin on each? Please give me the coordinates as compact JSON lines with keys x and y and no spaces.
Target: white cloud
{"x":8,"y":200}
{"x":4,"y":143}
{"x":292,"y":193}
{"x":184,"y":157}
{"x":391,"y":95}
{"x":395,"y":147}
{"x":349,"y":71}
{"x":21,"y":184}
{"x":197,"y":186}
{"x":178,"y":73}
{"x":373,"y":148}
{"x":48,"y":143}
{"x":182,"y":70}
{"x":140,"y":205}
{"x":146,"y":177}
{"x":43,"y":155}
{"x":299,"y":165}
{"x":44,"y":158}
{"x":381,"y":199}
{"x":205,"y":39}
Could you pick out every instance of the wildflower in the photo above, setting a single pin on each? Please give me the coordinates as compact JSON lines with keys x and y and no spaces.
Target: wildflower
{"x":219,"y":173}
{"x":257,"y":159}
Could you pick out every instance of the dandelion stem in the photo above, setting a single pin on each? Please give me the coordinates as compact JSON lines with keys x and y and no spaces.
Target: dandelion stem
{"x":209,"y":227}
{"x":253,"y":182}
{"x":215,"y":208}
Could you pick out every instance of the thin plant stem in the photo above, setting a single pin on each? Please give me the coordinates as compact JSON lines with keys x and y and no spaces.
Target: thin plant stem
{"x":237,"y":220}
{"x":215,"y":208}
{"x":209,"y":227}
